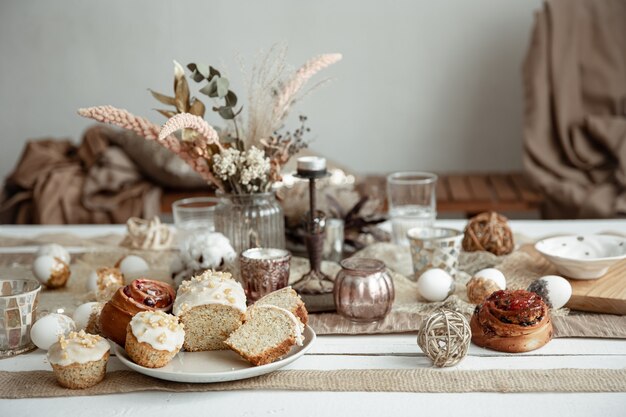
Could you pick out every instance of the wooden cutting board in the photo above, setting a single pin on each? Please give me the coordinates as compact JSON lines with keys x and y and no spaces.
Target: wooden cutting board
{"x":603,"y":295}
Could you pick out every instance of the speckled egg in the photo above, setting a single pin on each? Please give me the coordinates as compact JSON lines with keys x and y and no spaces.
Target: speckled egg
{"x":51,"y":271}
{"x":54,"y":250}
{"x":494,"y":275}
{"x":47,"y":329}
{"x":133,"y":267}
{"x":555,"y":290}
{"x":435,"y":284}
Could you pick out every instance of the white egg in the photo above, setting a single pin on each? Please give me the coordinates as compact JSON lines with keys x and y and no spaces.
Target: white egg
{"x":83,"y":313}
{"x":555,"y":290}
{"x":133,"y":266}
{"x":47,"y":329}
{"x":54,"y":250}
{"x":92,"y":281}
{"x":44,"y":266}
{"x":435,"y":284}
{"x":494,"y":275}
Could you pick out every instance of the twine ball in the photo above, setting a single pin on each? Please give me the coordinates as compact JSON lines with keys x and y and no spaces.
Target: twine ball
{"x":445,"y":337}
{"x":489,"y":232}
{"x":480,"y":288}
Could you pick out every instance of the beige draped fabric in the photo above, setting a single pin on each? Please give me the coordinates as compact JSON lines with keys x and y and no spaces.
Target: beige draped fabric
{"x":575,"y":91}
{"x":56,"y":182}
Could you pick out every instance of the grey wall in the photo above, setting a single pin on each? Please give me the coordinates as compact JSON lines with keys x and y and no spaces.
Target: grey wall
{"x":432,"y":85}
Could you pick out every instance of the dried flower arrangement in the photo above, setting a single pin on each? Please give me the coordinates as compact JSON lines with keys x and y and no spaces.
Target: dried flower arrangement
{"x":246,"y":156}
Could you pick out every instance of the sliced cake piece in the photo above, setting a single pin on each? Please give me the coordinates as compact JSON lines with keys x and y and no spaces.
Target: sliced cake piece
{"x":211,"y":306}
{"x":288,"y":299}
{"x":268,"y":334}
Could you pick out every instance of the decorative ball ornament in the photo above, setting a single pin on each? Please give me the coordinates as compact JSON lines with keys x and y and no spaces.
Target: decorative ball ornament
{"x":489,"y":232}
{"x":480,"y":288}
{"x":445,"y":337}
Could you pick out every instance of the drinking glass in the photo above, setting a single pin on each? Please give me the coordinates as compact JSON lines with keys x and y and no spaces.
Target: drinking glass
{"x":412,"y":202}
{"x":194,"y":214}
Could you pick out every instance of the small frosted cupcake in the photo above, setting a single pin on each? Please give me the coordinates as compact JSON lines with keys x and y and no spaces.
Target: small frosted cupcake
{"x":153,"y":338}
{"x":79,"y":360}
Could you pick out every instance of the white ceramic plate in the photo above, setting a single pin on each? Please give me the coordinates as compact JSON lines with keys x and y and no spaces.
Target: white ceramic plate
{"x":214,"y":366}
{"x":583,"y":257}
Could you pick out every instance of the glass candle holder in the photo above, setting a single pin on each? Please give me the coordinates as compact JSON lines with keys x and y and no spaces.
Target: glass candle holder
{"x":333,"y":240}
{"x":18,"y":304}
{"x":435,"y":247}
{"x":364,"y":290}
{"x":264,"y":270}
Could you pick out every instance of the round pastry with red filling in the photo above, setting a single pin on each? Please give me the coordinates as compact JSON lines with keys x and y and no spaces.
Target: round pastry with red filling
{"x":140,"y":295}
{"x":512,"y":321}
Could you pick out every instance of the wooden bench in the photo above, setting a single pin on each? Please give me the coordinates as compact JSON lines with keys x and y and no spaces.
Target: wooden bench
{"x":460,"y":193}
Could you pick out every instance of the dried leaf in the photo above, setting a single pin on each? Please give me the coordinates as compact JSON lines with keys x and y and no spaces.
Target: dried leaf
{"x":163,"y":98}
{"x":182,"y":95}
{"x":210,"y":89}
{"x":196,"y":74}
{"x":225,"y":111}
{"x":222,"y":86}
{"x":213,"y":73}
{"x":167,"y":113}
{"x":354,"y":211}
{"x":197,"y":107}
{"x":231,"y":99}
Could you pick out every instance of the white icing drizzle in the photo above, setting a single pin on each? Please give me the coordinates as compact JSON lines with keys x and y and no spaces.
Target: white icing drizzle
{"x":78,"y":347}
{"x":298,"y":327}
{"x":160,"y":330}
{"x":209,"y":288}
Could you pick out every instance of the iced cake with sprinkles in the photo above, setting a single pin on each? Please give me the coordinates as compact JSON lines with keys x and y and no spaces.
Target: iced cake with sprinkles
{"x":211,"y":306}
{"x":153,"y":338}
{"x":79,"y":360}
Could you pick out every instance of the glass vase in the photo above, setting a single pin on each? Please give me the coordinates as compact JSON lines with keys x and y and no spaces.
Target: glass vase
{"x":251,"y":220}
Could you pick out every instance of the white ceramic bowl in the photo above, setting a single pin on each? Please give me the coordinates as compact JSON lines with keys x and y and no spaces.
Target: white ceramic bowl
{"x":583,"y":257}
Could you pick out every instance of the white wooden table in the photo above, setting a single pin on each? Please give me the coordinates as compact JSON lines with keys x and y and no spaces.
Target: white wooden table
{"x":359,"y":352}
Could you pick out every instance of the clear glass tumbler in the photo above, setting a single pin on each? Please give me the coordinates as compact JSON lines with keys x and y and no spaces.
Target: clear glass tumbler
{"x":412,"y":202}
{"x":194,"y":214}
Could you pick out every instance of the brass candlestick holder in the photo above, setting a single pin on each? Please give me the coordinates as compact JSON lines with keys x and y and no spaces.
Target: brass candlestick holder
{"x":315,"y":287}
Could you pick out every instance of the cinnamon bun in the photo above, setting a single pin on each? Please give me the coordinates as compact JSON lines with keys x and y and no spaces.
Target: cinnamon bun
{"x":512,"y":321}
{"x":140,"y":295}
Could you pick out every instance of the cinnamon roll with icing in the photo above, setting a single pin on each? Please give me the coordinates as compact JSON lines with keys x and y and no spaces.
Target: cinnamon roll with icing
{"x":512,"y":321}
{"x":140,"y":295}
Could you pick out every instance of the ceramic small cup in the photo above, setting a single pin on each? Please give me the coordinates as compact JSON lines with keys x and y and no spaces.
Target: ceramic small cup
{"x":435,"y":247}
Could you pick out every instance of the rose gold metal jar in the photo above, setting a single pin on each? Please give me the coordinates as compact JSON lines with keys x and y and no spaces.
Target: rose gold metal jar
{"x":263,"y":270}
{"x":363,"y":290}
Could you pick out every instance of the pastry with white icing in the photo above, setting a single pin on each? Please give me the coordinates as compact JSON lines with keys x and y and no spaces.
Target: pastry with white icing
{"x":153,"y":338}
{"x":211,"y":306}
{"x":79,"y":360}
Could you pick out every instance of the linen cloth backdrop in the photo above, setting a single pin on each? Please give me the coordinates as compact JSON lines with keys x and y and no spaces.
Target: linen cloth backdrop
{"x":575,"y":114}
{"x":57,"y":182}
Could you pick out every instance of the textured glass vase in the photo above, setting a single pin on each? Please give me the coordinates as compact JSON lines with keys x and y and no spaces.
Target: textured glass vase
{"x":251,"y":220}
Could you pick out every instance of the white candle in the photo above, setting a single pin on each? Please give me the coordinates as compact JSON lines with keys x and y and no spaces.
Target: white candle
{"x":265,"y":253}
{"x":311,"y":163}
